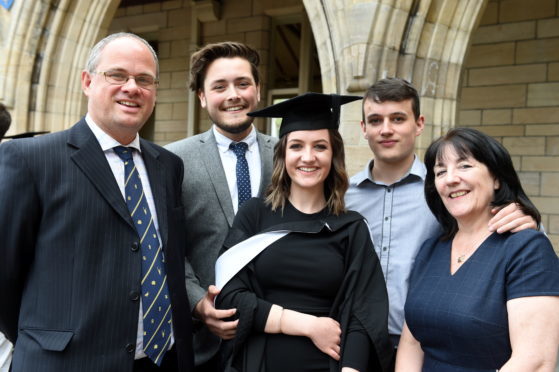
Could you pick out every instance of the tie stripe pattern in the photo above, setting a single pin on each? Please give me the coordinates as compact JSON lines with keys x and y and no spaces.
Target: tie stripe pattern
{"x":243,"y":175}
{"x":156,"y":304}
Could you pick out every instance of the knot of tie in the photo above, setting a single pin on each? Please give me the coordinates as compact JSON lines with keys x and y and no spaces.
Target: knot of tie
{"x":239,"y":148}
{"x":124,"y":153}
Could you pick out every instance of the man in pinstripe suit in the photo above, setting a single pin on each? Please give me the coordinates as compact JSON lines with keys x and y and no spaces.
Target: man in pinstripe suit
{"x":71,"y":266}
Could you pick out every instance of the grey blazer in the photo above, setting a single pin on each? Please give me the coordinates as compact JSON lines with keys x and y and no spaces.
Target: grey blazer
{"x":209,"y":215}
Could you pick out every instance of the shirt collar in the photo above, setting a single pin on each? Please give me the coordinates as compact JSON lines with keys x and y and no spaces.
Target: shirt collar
{"x":417,"y":169}
{"x":105,"y":140}
{"x":223,"y":142}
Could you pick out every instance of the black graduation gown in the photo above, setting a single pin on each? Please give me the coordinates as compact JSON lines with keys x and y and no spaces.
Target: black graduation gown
{"x":359,"y":299}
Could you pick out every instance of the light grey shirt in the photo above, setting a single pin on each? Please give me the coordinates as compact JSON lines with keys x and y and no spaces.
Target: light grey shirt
{"x":399,"y":222}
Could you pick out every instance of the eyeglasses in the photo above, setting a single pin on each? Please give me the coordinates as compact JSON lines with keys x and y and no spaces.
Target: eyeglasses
{"x":121,"y":78}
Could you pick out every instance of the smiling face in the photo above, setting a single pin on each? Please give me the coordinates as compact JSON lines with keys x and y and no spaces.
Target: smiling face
{"x":465,"y":186}
{"x":390,"y":128}
{"x":121,"y":110}
{"x":229,"y":93}
{"x":308,"y":159}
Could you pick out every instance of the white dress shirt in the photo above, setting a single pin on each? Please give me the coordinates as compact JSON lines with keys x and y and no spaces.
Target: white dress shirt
{"x":117,"y":167}
{"x":229,"y":162}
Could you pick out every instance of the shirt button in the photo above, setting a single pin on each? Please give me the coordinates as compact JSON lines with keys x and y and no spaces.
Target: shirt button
{"x":130,"y":348}
{"x":388,"y":189}
{"x":134,"y":295}
{"x":135,"y":246}
{"x":386,"y":218}
{"x":384,"y":248}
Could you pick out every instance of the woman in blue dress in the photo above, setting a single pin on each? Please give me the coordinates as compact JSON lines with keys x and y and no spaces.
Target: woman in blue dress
{"x":479,"y":301}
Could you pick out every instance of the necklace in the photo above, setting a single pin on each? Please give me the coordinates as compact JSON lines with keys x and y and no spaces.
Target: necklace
{"x":462,"y":257}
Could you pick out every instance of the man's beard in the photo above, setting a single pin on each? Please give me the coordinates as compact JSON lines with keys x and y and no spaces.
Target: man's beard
{"x":234,"y":129}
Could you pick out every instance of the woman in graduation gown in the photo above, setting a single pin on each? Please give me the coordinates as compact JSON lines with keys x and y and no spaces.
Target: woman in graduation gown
{"x":314,"y":299}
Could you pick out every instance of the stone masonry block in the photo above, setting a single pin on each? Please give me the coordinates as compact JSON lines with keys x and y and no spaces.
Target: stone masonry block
{"x":553,"y":72}
{"x":258,"y":39}
{"x":164,"y":111}
{"x":525,"y":145}
{"x":152,"y":8}
{"x":180,"y":111}
{"x":546,"y":94}
{"x":236,"y":9}
{"x":542,"y":130}
{"x":552,"y":145}
{"x":179,"y":48}
{"x":179,"y":17}
{"x":491,"y":55}
{"x":171,"y":126}
{"x":533,"y":51}
{"x":542,"y":115}
{"x":214,"y":28}
{"x":134,"y":10}
{"x":173,"y":64}
{"x":469,"y":117}
{"x":171,"y":95}
{"x":248,"y":24}
{"x":145,"y":21}
{"x":530,"y":182}
{"x":501,"y":130}
{"x":540,"y":163}
{"x":507,"y":75}
{"x":520,"y":10}
{"x":179,"y":79}
{"x":493,"y":97}
{"x":175,"y":33}
{"x":173,"y":4}
{"x":550,"y":184}
{"x":548,"y":28}
{"x":553,"y":224}
{"x":548,"y":205}
{"x":504,"y":32}
{"x":491,"y":14}
{"x":493,"y":117}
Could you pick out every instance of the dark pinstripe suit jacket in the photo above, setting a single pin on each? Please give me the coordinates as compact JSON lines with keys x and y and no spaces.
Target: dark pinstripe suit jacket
{"x":69,"y":267}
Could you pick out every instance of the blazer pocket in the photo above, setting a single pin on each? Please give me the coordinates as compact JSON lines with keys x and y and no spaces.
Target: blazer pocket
{"x":50,"y":340}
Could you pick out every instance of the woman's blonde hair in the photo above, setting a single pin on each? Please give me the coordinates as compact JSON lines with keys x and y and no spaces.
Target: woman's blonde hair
{"x":335,"y":185}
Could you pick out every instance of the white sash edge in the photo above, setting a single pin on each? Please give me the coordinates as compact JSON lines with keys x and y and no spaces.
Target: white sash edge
{"x":238,"y":256}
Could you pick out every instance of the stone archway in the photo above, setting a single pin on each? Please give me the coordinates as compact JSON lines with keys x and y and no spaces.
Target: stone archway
{"x":424,"y":41}
{"x":47,"y":46}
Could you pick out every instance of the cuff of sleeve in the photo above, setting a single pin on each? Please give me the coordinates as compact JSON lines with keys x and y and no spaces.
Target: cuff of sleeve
{"x":261,"y":315}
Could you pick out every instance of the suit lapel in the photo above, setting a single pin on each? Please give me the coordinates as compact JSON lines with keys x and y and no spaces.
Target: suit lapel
{"x":89,"y":157}
{"x":266,"y":150}
{"x":214,"y":167}
{"x":157,"y":178}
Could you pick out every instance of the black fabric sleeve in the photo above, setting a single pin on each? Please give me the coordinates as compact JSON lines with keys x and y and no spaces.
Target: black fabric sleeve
{"x":357,"y":347}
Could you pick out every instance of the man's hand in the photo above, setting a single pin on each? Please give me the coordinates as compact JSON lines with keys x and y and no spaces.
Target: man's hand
{"x":510,"y":218}
{"x":212,"y":317}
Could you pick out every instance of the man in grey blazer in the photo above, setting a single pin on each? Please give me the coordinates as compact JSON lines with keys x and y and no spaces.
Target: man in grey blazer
{"x":79,"y":208}
{"x":226,"y":79}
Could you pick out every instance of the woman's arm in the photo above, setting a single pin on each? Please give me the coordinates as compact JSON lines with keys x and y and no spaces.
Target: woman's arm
{"x":409,"y":357}
{"x":324,"y":332}
{"x":534,"y":334}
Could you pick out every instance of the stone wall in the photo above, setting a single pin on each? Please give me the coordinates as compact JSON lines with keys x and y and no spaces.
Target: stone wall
{"x":510,"y":90}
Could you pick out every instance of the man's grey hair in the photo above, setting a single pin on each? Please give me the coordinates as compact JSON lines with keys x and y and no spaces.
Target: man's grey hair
{"x":5,"y":120}
{"x":95,"y":54}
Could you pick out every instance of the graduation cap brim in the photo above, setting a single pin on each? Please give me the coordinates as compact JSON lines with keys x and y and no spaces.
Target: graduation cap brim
{"x":309,"y":111}
{"x":25,"y":135}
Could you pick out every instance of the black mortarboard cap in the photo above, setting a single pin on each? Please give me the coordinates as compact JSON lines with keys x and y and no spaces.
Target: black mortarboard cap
{"x":309,"y":111}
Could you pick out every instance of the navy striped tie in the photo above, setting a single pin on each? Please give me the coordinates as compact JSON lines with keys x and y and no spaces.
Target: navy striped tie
{"x":156,"y":305}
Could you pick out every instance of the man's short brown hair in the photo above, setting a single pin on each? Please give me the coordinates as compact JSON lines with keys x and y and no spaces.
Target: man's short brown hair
{"x":201,"y":60}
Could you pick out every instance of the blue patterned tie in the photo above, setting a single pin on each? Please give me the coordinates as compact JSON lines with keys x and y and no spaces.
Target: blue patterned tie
{"x":156,"y":304}
{"x":243,"y":176}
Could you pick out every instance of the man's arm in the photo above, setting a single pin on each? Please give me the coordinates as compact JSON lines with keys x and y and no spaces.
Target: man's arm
{"x":19,"y":219}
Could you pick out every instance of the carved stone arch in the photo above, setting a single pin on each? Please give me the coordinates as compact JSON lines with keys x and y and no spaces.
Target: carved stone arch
{"x":424,"y":41}
{"x":48,"y":46}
